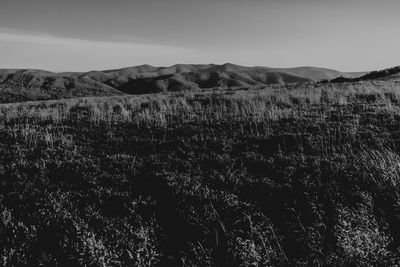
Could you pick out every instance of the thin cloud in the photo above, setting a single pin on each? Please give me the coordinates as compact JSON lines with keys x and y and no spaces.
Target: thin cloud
{"x":11,"y":35}
{"x":41,"y":50}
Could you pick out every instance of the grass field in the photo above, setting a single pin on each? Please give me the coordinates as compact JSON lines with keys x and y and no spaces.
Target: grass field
{"x":300,"y":175}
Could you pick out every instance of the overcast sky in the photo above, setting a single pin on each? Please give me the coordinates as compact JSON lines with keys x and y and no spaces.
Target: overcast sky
{"x":62,"y":35}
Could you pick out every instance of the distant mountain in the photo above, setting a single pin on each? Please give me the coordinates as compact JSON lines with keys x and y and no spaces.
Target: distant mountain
{"x":318,"y":74}
{"x":27,"y":85}
{"x":149,"y":79}
{"x":386,"y":74}
{"x":145,"y":71}
{"x":146,"y":78}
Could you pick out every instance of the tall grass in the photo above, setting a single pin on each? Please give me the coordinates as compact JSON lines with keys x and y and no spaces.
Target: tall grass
{"x":301,"y":175}
{"x":267,"y":104}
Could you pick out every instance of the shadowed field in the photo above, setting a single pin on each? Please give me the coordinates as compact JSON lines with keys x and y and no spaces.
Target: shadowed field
{"x":303,"y":175}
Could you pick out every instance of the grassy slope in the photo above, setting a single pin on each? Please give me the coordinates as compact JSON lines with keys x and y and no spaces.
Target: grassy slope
{"x":295,"y":175}
{"x":30,"y":85}
{"x":317,"y":74}
{"x":142,"y":71}
{"x":149,"y":79}
{"x":191,"y":77}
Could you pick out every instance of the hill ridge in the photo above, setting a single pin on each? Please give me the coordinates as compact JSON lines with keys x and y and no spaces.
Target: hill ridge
{"x":35,"y":84}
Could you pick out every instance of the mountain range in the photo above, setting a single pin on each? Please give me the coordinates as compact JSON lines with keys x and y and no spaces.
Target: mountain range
{"x":28,"y":84}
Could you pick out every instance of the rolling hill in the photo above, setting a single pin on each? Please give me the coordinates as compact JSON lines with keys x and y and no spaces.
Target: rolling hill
{"x":386,"y":74}
{"x":178,"y":78}
{"x":29,"y":84}
{"x":146,"y":78}
{"x":317,"y":74}
{"x":146,"y":71}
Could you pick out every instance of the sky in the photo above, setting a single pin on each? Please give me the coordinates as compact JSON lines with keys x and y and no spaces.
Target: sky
{"x":82,"y":35}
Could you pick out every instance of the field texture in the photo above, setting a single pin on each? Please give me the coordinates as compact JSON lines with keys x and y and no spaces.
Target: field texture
{"x":297,"y":175}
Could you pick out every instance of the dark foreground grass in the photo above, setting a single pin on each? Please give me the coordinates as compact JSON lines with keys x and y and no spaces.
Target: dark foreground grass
{"x":287,"y":176}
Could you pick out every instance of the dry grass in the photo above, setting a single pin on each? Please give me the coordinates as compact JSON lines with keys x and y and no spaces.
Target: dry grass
{"x":268,"y":104}
{"x":268,"y":171}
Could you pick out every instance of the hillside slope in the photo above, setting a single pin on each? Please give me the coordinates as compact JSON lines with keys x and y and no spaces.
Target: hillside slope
{"x":27,"y":85}
{"x":145,"y":71}
{"x":317,"y":74}
{"x":199,"y":80}
{"x":149,"y":79}
{"x":385,"y":74}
